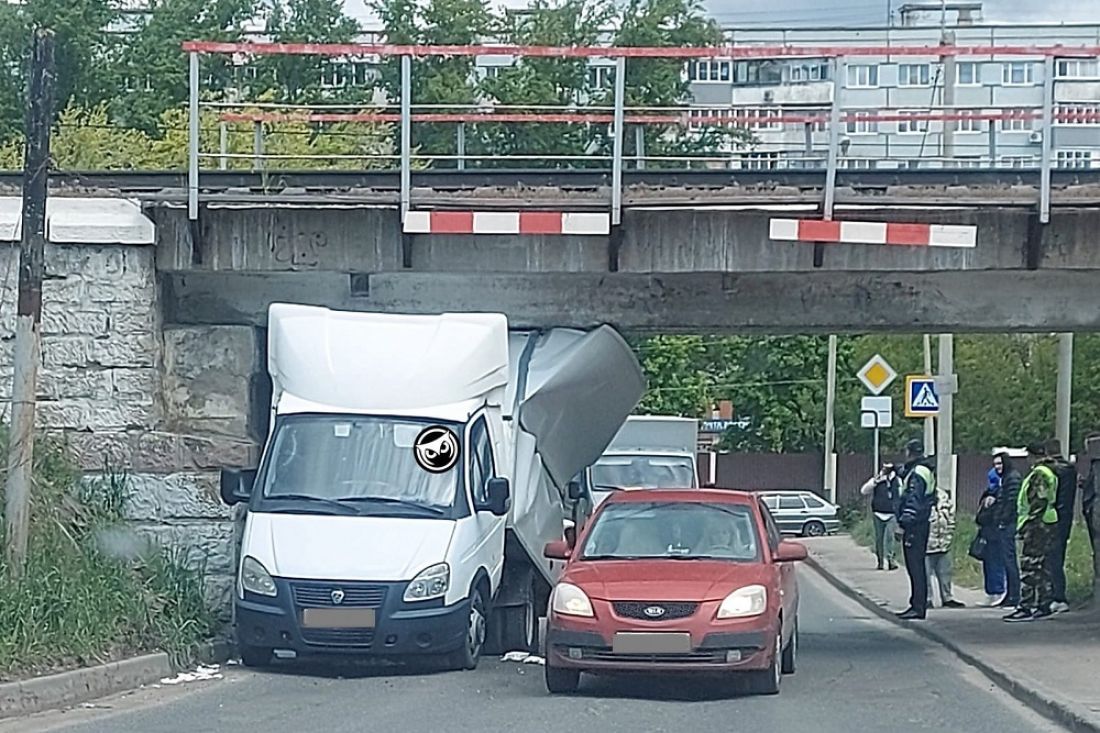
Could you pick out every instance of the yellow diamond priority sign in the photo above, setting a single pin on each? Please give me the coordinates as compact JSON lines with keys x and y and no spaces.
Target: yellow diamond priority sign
{"x":876,"y":374}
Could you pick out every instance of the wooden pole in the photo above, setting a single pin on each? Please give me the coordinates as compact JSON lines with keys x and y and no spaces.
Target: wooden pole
{"x":32,"y":246}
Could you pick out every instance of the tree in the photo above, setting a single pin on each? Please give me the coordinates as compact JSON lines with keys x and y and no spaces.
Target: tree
{"x":435,"y":80}
{"x":676,"y":371}
{"x":153,"y":68}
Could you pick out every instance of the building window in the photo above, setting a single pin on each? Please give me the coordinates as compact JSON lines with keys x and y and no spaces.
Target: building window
{"x":761,"y":118}
{"x":802,"y":73}
{"x":1077,"y":114}
{"x":858,"y":163}
{"x":1017,"y":161}
{"x":968,"y":74}
{"x":1017,"y":74}
{"x":911,"y":127}
{"x":759,"y":161}
{"x":1074,"y":159}
{"x":601,"y":77}
{"x":1017,"y":123}
{"x":858,"y":125}
{"x":1077,"y":69}
{"x":968,"y":123}
{"x":709,"y":71}
{"x":914,"y":75}
{"x":862,"y":76}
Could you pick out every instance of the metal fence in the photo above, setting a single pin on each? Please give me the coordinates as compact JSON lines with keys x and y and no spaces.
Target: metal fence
{"x":817,"y":137}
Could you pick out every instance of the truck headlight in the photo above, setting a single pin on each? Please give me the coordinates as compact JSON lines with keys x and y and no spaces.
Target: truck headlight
{"x":569,"y":600}
{"x":752,"y":600}
{"x":256,"y":579}
{"x":429,"y":583}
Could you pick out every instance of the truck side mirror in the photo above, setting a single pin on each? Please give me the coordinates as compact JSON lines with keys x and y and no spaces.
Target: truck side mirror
{"x":499,"y":496}
{"x":575,"y":490}
{"x":236,"y":484}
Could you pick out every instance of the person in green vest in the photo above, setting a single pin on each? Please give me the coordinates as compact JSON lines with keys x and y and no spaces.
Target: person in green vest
{"x":1036,"y":525}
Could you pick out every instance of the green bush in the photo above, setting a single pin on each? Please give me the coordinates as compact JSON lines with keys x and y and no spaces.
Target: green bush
{"x":92,"y":590}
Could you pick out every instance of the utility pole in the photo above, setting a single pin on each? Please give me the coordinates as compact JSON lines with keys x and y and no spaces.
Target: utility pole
{"x":32,"y":249}
{"x":830,"y":428}
{"x":1064,"y":390}
{"x":950,"y":74}
{"x":945,"y":459}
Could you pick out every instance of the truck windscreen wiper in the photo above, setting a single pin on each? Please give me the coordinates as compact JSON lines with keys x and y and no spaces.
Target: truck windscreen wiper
{"x":344,"y":508}
{"x":389,"y":500}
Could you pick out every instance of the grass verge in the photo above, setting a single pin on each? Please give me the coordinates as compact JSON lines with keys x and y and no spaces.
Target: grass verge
{"x":968,"y":571}
{"x":92,"y":591}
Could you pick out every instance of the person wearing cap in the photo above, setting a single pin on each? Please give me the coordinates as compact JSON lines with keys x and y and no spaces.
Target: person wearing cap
{"x":918,"y":498}
{"x":1036,"y":526}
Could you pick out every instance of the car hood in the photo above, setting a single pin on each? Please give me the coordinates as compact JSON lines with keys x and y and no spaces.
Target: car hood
{"x":346,"y":548}
{"x":664,"y":580}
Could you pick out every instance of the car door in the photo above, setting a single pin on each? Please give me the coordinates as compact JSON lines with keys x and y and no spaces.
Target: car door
{"x":792,"y":513}
{"x":788,"y":589}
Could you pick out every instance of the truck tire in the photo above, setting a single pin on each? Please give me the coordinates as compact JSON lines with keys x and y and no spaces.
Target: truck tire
{"x":468,"y":655}
{"x":520,"y":630}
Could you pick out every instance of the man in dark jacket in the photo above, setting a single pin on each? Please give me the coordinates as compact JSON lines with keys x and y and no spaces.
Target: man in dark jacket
{"x":918,"y":497}
{"x":1064,"y":502}
{"x":1004,"y":513}
{"x":1088,"y":504}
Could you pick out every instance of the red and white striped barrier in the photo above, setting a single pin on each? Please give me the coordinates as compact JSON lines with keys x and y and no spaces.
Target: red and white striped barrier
{"x":873,"y":232}
{"x":507,"y":222}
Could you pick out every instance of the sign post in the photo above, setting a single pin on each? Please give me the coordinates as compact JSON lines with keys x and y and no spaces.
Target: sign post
{"x":876,"y":413}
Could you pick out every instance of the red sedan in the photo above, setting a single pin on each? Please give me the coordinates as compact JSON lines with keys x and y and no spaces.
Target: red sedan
{"x":675,"y":581}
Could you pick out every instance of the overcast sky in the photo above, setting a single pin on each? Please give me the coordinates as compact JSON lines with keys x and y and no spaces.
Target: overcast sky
{"x":789,"y":13}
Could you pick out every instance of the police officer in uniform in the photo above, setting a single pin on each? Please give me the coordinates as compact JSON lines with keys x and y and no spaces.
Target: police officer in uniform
{"x":918,"y":497}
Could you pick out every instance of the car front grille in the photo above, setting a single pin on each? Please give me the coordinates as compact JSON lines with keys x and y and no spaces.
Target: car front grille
{"x":637,"y":610}
{"x":338,"y":637}
{"x":319,"y":595}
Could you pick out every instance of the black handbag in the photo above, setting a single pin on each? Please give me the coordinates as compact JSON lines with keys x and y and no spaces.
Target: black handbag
{"x":977,"y":548}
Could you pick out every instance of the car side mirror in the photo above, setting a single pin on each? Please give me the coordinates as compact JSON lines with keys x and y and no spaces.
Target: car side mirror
{"x":575,"y":490}
{"x":790,"y":551}
{"x":236,"y":484}
{"x":500,"y":498}
{"x":557,"y":550}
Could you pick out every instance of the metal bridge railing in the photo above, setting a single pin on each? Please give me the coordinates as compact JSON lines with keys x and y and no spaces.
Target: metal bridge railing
{"x":823,"y":135}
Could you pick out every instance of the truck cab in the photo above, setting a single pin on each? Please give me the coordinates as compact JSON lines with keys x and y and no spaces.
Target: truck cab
{"x":648,"y":452}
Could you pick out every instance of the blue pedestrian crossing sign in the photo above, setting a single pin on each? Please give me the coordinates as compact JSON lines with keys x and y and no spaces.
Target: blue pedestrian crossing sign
{"x":921,"y":399}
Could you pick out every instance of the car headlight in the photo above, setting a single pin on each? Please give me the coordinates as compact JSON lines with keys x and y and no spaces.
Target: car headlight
{"x":256,"y":579}
{"x":569,"y":600}
{"x":429,"y":583}
{"x":752,"y":600}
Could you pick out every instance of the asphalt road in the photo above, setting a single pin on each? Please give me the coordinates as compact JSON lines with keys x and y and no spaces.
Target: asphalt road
{"x":856,"y":672}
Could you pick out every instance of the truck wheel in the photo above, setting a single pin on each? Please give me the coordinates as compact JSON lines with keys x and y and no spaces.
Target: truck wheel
{"x":521,"y":625}
{"x":560,"y":680}
{"x":468,"y":655}
{"x":255,"y":656}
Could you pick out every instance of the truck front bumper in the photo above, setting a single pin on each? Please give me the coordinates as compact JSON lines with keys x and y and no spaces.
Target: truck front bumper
{"x":398,"y":628}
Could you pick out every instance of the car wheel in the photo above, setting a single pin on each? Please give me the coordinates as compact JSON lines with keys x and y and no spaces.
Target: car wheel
{"x":790,"y":653}
{"x":469,"y":654}
{"x":766,"y":682}
{"x":255,"y":656}
{"x":561,"y":680}
{"x":813,"y":529}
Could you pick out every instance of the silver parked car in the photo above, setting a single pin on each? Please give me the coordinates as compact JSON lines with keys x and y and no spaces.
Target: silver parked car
{"x":802,"y":513}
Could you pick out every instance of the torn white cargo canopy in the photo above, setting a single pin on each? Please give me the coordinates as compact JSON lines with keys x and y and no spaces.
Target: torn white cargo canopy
{"x":384,"y":363}
{"x":577,"y":387}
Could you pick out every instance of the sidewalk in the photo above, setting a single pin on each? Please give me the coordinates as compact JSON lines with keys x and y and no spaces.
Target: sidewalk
{"x":1051,"y":665}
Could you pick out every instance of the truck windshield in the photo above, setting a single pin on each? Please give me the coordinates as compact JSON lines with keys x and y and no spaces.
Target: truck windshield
{"x":643,"y":472}
{"x":358,"y":464}
{"x":676,"y":530}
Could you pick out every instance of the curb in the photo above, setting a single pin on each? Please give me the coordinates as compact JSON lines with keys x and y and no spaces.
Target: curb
{"x":1060,"y":712}
{"x":55,"y":691}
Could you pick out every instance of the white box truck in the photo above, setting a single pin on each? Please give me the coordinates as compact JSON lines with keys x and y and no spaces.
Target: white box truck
{"x":648,"y":452}
{"x":415,"y":468}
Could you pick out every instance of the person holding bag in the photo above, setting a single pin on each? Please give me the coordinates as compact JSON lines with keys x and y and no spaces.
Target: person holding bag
{"x":986,"y":546}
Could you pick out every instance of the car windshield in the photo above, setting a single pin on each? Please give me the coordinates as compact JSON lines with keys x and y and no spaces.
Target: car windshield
{"x":644,"y":472}
{"x":679,"y":530}
{"x":358,"y":463}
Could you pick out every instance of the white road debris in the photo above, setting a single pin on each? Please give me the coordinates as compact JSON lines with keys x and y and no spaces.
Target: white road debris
{"x":522,"y":657}
{"x":200,"y":674}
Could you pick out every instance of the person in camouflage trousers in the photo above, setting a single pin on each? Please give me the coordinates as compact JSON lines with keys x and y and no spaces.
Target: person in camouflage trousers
{"x":1036,"y":527}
